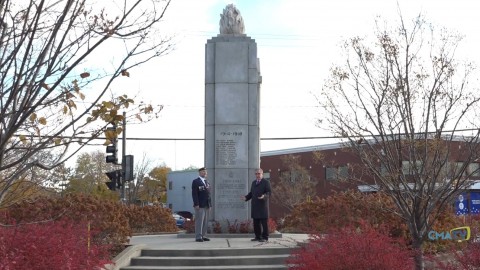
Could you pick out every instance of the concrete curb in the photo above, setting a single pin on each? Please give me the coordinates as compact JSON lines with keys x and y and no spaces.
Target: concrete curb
{"x":228,"y":235}
{"x":123,"y":259}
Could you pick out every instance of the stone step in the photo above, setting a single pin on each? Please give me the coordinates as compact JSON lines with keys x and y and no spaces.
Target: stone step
{"x":216,"y":252}
{"x":213,"y":261}
{"x":225,"y":267}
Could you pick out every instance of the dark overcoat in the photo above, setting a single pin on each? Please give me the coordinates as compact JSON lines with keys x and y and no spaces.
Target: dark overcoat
{"x":259,"y":206}
{"x":201,"y":193}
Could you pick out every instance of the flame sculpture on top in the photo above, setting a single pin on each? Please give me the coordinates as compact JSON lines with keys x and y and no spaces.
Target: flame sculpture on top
{"x":231,"y":21}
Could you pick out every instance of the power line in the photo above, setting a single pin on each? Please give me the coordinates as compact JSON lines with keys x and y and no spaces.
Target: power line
{"x":263,"y":139}
{"x":179,"y":139}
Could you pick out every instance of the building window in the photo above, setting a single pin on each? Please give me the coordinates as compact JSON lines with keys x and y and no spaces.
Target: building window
{"x":409,"y":168}
{"x":383,"y":170}
{"x":452,"y":169}
{"x":170,"y":185}
{"x":336,"y":173}
{"x":170,"y":206}
{"x":458,"y":168}
{"x":292,"y":176}
{"x":266,"y":175}
{"x":474,"y":169}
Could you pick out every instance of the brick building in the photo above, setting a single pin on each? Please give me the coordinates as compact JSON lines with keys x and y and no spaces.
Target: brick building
{"x":327,"y":170}
{"x":332,"y":170}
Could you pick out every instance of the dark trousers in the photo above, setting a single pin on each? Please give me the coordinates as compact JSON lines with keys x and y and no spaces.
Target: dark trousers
{"x":258,"y":231}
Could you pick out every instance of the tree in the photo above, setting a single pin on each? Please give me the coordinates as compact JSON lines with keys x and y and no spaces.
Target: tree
{"x":141,"y":170}
{"x":295,"y":184}
{"x":401,"y":103}
{"x":154,"y":188}
{"x":51,"y":53}
{"x":89,"y":176}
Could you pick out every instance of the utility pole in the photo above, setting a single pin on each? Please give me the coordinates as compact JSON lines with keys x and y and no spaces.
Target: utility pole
{"x":124,"y":152}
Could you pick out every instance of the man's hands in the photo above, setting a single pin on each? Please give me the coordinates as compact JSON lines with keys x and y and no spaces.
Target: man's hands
{"x":261,"y":197}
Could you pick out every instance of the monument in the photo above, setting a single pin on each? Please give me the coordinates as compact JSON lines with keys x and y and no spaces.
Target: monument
{"x":232,"y":117}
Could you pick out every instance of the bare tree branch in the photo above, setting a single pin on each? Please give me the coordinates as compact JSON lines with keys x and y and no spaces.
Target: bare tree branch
{"x":400,"y":101}
{"x":51,"y":53}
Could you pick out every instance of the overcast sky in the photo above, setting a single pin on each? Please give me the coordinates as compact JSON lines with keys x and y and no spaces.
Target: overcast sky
{"x":298,"y":41}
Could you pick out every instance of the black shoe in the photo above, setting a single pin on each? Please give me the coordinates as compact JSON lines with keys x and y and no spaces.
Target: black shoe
{"x":255,"y":239}
{"x":262,"y":240}
{"x":198,"y":240}
{"x":205,"y":239}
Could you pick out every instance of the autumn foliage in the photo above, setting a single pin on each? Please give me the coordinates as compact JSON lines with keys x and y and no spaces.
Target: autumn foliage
{"x":53,"y":245}
{"x":113,"y":221}
{"x":351,"y":247}
{"x":150,"y":219}
{"x":351,"y":208}
{"x":345,"y":209}
{"x":466,"y":259}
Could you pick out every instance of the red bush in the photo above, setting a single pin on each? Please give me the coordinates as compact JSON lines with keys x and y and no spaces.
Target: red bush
{"x":105,"y":216}
{"x":351,"y":248}
{"x":52,"y":245}
{"x":246,"y":226}
{"x":232,"y":227}
{"x":464,"y":259}
{"x":346,"y":209}
{"x":272,"y":225}
{"x":189,"y":226}
{"x":149,"y":219}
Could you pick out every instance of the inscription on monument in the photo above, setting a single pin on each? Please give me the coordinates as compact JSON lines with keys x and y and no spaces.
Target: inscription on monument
{"x":228,"y":193}
{"x":226,"y":148}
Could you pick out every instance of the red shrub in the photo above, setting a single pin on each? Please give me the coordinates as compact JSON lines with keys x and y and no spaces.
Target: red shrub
{"x":351,"y":248}
{"x":53,"y":245}
{"x":105,"y":216}
{"x":272,"y":225}
{"x":232,"y":227}
{"x":189,"y":226}
{"x":245,"y":226}
{"x":465,"y":259}
{"x":149,"y":219}
{"x":346,"y":209}
{"x":217,"y":227}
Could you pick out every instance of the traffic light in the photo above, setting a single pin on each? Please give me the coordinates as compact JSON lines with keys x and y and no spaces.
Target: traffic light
{"x":111,"y":135}
{"x":127,"y":167}
{"x":115,"y":179}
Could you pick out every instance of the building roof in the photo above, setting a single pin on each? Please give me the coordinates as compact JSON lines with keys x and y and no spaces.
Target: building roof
{"x":302,"y":149}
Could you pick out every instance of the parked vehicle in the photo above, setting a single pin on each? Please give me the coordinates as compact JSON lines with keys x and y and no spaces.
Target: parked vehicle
{"x":187,"y":215}
{"x":179,"y":220}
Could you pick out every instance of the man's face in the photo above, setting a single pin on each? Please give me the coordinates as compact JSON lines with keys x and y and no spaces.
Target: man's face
{"x":259,"y":174}
{"x":203,"y":173}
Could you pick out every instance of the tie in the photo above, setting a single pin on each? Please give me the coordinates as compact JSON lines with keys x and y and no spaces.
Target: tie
{"x":258,"y":182}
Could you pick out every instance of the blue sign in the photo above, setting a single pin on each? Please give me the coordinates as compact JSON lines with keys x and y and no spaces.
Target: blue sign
{"x":474,"y":202}
{"x":461,"y":204}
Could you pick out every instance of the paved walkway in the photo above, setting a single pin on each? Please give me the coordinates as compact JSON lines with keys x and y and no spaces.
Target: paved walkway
{"x":172,"y":241}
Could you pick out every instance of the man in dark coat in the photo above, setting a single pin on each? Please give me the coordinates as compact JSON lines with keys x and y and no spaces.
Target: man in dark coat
{"x":202,"y":204}
{"x":259,"y":194}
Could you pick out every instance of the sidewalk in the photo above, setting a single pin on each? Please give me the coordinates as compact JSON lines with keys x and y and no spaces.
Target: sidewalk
{"x":174,"y":241}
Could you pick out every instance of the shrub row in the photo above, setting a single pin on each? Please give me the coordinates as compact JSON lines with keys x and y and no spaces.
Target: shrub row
{"x":60,"y":244}
{"x":113,"y":221}
{"x":351,"y":247}
{"x":342,"y":214}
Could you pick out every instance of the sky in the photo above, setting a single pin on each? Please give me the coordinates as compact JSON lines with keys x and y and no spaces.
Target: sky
{"x":298,"y":41}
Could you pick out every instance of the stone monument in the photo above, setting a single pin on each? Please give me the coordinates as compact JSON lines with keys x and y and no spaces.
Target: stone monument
{"x":232,"y":117}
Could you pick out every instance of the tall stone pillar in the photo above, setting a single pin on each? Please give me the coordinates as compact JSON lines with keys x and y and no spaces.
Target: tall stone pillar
{"x":232,"y":118}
